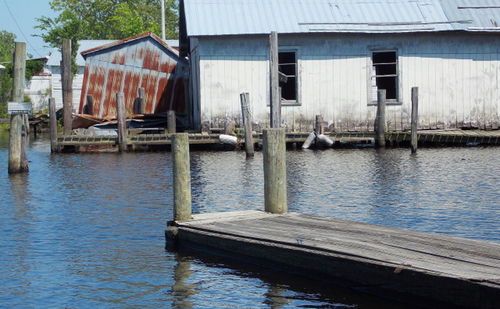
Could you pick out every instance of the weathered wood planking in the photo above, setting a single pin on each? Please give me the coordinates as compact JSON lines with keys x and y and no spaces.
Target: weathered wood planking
{"x":434,"y":268}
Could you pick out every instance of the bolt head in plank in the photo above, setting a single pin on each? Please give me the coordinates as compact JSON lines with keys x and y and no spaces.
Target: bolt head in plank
{"x":274,"y":154}
{"x":182,"y":177}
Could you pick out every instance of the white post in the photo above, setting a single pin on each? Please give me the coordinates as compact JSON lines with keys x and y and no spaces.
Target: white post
{"x":163,"y":20}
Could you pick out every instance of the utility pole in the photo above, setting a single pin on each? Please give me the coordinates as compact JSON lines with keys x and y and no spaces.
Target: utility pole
{"x":163,"y":20}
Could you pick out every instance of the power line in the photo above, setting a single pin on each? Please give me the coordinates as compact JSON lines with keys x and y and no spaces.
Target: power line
{"x":19,"y":28}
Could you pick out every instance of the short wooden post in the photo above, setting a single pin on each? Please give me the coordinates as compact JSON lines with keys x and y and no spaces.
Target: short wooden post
{"x":88,"y":108}
{"x":182,"y":177}
{"x":53,"y":125}
{"x":414,"y":119}
{"x":18,"y":158}
{"x":25,"y":142}
{"x":140,"y":100}
{"x":274,"y":154}
{"x":318,"y":127}
{"x":275,"y":88}
{"x":380,"y":120}
{"x":171,"y":123}
{"x":247,"y":123}
{"x":122,"y":122}
{"x":15,"y":143}
{"x":67,"y":86}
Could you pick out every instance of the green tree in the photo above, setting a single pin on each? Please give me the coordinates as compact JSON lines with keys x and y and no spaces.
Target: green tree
{"x":106,"y":19}
{"x":7,"y":43}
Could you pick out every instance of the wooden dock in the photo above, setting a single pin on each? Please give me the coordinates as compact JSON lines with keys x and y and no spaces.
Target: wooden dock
{"x":356,"y":139}
{"x":436,"y":270}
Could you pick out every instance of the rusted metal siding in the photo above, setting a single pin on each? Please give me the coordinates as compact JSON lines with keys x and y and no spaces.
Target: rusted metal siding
{"x":142,"y":61}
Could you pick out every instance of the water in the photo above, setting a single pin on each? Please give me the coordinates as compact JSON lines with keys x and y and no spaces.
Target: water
{"x":84,"y":230}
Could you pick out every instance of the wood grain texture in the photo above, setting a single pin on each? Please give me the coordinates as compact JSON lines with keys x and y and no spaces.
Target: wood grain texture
{"x":439,"y":268}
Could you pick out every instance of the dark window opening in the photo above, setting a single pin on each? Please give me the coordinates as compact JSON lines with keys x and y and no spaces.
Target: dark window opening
{"x":385,"y":74}
{"x":287,"y":64}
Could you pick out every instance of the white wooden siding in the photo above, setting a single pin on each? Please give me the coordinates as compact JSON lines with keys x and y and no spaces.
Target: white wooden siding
{"x":57,"y":87}
{"x":457,"y":76}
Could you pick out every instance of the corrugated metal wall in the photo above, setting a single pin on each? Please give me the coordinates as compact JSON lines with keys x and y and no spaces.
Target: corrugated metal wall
{"x":457,"y":74}
{"x":129,"y":66}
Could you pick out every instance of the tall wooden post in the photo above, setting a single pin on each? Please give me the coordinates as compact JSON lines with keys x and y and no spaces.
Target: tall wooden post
{"x":67,"y":86}
{"x":274,"y":153}
{"x":247,"y":123}
{"x":171,"y":123}
{"x":182,"y":177}
{"x":122,"y":122}
{"x":141,"y":101}
{"x":18,"y":158}
{"x":380,"y":120}
{"x":414,"y":119}
{"x":275,"y":88}
{"x":318,"y":126}
{"x":53,"y":125}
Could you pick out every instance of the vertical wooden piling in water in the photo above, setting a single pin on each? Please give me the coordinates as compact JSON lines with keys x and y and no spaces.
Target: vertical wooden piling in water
{"x":15,"y":142}
{"x":275,"y":87}
{"x":318,"y":126}
{"x":18,"y":158}
{"x":122,"y":122}
{"x":247,"y":123}
{"x":182,"y":177}
{"x":67,"y":86}
{"x":171,"y":124}
{"x":414,"y":119}
{"x":53,"y":125}
{"x":274,"y":153}
{"x":380,"y":120}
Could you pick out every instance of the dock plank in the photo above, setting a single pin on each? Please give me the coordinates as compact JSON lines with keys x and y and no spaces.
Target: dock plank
{"x":416,"y":263}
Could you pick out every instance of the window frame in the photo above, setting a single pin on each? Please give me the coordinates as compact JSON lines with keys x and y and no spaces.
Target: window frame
{"x":372,"y":75}
{"x":296,"y":51}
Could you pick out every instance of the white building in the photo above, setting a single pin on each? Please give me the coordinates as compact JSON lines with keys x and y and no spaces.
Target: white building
{"x":337,"y":53}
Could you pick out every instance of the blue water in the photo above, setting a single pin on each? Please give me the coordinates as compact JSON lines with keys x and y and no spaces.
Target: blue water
{"x":83,"y":230}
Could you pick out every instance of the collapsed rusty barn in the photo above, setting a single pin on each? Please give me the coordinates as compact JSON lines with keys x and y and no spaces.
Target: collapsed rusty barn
{"x":142,"y":61}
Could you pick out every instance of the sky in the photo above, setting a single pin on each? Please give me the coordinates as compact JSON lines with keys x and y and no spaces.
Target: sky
{"x":18,"y":17}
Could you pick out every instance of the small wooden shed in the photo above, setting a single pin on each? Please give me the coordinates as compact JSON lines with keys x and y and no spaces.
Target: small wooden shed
{"x":142,"y":61}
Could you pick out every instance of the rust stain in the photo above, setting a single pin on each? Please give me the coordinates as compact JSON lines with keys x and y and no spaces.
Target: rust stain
{"x":127,"y":61}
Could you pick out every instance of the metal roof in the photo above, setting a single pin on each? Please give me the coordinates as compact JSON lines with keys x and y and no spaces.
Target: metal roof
{"x":55,"y":56}
{"x":131,"y":40}
{"x":234,"y":17}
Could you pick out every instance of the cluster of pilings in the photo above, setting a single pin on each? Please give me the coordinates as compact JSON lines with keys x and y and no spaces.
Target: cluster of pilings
{"x":274,"y":157}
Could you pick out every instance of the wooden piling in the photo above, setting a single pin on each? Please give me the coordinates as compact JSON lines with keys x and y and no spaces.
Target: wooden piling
{"x":318,"y":126}
{"x":53,"y":125}
{"x":247,"y":123}
{"x":67,"y":86}
{"x":275,"y":88}
{"x":140,"y":100}
{"x":171,"y":122}
{"x":182,"y":177}
{"x":15,"y":142}
{"x":122,"y":122}
{"x":18,"y":158}
{"x":414,"y":119}
{"x":380,"y":120}
{"x":274,"y":154}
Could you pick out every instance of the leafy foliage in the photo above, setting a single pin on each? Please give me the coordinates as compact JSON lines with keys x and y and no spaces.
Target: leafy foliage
{"x":7,"y":43}
{"x":106,"y":19}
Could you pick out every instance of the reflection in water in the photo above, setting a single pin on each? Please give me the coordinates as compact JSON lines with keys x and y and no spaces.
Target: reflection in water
{"x":82,"y":230}
{"x":275,"y":297}
{"x":181,"y":290}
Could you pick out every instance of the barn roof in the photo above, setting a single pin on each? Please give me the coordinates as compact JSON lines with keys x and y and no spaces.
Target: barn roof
{"x":55,"y":55}
{"x":130,"y":40}
{"x":236,"y":17}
